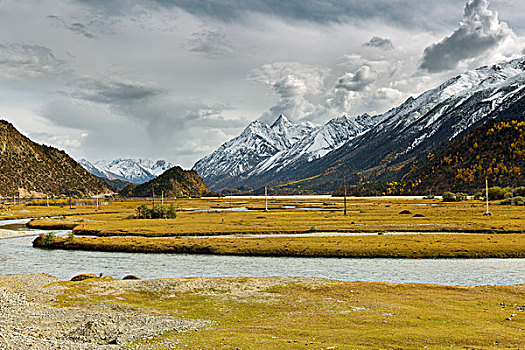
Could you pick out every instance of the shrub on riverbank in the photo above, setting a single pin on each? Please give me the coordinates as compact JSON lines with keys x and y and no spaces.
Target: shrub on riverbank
{"x":156,"y":212}
{"x":454,"y":197}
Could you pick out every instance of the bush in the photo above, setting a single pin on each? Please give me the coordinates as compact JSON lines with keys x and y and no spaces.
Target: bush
{"x":519,"y":192}
{"x":497,"y":192}
{"x":83,"y":277}
{"x":449,"y":197}
{"x":156,"y":212}
{"x":130,"y":277}
{"x":172,"y":212}
{"x":514,"y":201}
{"x":48,"y":238}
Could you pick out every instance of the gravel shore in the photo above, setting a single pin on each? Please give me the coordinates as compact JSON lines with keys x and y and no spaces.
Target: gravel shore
{"x":29,"y":321}
{"x":12,"y":234}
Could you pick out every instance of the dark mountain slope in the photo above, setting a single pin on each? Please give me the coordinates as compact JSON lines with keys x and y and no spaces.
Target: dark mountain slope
{"x":495,"y":151}
{"x":174,"y":182}
{"x":27,"y":168}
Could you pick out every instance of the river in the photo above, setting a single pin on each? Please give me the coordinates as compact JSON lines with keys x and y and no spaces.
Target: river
{"x":17,"y":256}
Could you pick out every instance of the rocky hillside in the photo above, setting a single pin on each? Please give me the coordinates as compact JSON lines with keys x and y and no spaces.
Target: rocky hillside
{"x":175,"y":182}
{"x":27,"y":168}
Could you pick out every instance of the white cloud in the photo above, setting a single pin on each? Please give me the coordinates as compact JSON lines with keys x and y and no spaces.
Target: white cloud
{"x":381,"y":43}
{"x":210,"y":44}
{"x":22,"y":61}
{"x":480,"y":32}
{"x":295,"y":84}
{"x":175,"y":79}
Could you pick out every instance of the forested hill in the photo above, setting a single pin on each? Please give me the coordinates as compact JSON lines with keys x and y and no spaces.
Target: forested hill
{"x":174,"y":182}
{"x":495,"y":151}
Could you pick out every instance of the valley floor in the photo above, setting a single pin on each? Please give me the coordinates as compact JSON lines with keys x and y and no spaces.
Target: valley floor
{"x":285,"y":227}
{"x":43,"y":312}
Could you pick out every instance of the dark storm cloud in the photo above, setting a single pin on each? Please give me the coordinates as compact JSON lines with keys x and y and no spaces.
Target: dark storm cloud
{"x":117,"y":91}
{"x":27,"y":61}
{"x":406,"y":13}
{"x":480,"y":31}
{"x":77,"y":28}
{"x":381,"y":43}
{"x":210,"y":44}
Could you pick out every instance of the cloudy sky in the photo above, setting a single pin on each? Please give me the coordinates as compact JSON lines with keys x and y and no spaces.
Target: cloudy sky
{"x":174,"y":79}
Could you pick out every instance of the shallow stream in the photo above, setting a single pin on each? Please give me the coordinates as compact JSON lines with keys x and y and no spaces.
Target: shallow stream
{"x":17,"y":256}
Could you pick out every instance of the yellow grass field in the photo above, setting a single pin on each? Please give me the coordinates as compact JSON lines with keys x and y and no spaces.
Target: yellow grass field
{"x":307,"y":313}
{"x":307,"y":215}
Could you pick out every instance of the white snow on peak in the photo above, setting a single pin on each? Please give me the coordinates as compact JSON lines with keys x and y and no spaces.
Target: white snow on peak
{"x":132,"y":170}
{"x":261,"y":147}
{"x":466,"y":98}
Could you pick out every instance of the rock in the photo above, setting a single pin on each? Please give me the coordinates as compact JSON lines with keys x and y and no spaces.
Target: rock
{"x":83,"y":277}
{"x":131,"y":277}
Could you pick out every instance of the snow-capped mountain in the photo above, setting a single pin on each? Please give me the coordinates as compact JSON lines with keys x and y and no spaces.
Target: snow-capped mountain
{"x":422,"y":125}
{"x":131,"y":170}
{"x":261,"y":148}
{"x":367,"y":147}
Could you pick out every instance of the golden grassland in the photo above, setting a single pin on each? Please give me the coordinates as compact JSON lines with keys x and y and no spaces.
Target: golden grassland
{"x":309,"y":214}
{"x":209,"y":217}
{"x":379,"y":246}
{"x":295,"y":313}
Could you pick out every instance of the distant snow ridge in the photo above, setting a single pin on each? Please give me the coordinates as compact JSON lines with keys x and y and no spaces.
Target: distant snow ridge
{"x":261,"y":148}
{"x":132,"y":170}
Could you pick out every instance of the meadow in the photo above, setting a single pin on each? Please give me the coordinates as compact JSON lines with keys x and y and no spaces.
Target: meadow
{"x":312,"y":313}
{"x":247,"y":216}
{"x":469,"y":234}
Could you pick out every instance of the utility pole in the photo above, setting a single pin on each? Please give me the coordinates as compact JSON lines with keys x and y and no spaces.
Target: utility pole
{"x":162,"y":198}
{"x":153,"y":195}
{"x":487,"y":213}
{"x":97,"y":200}
{"x":47,"y":200}
{"x":266,"y":198}
{"x":344,"y":190}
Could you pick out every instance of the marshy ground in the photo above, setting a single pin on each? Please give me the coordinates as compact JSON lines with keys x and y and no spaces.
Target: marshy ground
{"x":475,"y":235}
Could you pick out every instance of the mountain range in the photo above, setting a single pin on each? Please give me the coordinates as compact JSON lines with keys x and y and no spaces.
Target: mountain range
{"x":135,"y":171}
{"x":262,"y":149}
{"x":311,"y":158}
{"x":30,"y":169}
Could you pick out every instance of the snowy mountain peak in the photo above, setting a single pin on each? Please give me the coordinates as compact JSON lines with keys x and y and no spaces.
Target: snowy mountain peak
{"x":132,"y":170}
{"x":281,"y":122}
{"x":283,"y":151}
{"x":261,"y":147}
